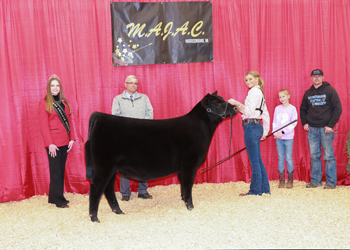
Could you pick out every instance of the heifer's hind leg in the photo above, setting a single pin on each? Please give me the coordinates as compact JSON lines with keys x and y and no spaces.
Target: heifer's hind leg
{"x":88,"y":161}
{"x":97,"y":187}
{"x":94,"y":199}
{"x":110,"y":196}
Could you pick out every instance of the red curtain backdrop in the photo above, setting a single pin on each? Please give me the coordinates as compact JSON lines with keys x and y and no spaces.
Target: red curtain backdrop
{"x":282,"y":39}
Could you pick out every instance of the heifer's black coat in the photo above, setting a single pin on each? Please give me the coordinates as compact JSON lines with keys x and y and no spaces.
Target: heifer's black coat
{"x":149,"y":149}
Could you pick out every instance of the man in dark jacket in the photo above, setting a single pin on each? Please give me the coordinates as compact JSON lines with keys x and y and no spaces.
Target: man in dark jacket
{"x":320,"y":110}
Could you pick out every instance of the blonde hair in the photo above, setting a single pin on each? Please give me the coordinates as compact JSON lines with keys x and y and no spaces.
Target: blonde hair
{"x":260,"y":80}
{"x":285,"y":91}
{"x":49,"y":98}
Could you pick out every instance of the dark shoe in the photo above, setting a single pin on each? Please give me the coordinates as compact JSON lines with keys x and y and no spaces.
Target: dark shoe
{"x":281,"y":179}
{"x":126,"y":198}
{"x":329,"y":186}
{"x":251,"y":194}
{"x":246,"y":194}
{"x":311,"y":185}
{"x":63,"y":206}
{"x":145,"y":196}
{"x":290,"y":180}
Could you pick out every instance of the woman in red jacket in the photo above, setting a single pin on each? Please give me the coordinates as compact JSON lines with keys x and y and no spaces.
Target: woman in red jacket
{"x":56,"y":129}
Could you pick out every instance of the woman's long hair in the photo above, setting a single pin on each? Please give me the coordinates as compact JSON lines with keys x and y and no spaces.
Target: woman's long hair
{"x":49,"y":98}
{"x":260,"y":80}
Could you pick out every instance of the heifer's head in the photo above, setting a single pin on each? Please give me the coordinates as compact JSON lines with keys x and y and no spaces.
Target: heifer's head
{"x":216,"y":105}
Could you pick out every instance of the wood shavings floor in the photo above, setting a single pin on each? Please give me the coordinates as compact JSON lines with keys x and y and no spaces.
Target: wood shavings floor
{"x":289,"y":218}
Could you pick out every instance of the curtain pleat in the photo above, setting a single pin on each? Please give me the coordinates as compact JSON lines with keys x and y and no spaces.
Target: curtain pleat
{"x":282,"y":39}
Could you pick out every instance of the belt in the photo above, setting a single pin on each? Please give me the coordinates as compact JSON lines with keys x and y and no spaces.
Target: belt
{"x":249,"y":120}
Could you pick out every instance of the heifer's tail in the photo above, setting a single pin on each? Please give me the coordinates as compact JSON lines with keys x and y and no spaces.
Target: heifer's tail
{"x":88,"y":159}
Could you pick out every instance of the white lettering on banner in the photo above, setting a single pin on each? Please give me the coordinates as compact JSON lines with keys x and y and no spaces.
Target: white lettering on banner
{"x":196,"y":40}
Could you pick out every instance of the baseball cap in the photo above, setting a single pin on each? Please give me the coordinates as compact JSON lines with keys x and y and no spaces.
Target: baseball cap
{"x":317,"y":72}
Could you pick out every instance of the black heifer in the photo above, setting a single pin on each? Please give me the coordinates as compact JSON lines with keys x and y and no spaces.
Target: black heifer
{"x":149,"y":149}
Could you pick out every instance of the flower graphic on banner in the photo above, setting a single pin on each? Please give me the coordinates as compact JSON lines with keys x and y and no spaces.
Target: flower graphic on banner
{"x":124,"y":53}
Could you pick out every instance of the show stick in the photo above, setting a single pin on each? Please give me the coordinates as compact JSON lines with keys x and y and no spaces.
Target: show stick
{"x":228,"y":157}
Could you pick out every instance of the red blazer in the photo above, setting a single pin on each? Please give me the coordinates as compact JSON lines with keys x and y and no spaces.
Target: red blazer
{"x":52,"y":128}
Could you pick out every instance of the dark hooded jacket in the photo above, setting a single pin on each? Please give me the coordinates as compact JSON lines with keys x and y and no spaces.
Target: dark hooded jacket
{"x":320,"y":107}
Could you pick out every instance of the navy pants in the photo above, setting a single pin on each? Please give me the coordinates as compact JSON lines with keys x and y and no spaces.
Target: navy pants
{"x":125,"y":187}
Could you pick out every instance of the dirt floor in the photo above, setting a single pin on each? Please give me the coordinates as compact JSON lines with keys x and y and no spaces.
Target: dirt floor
{"x":289,"y":218}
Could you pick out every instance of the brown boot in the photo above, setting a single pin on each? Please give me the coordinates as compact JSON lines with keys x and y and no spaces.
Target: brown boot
{"x":290,"y":180}
{"x":281,"y":183}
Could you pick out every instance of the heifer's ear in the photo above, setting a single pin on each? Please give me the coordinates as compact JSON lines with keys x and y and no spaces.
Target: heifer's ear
{"x":205,"y":102}
{"x":215,"y":93}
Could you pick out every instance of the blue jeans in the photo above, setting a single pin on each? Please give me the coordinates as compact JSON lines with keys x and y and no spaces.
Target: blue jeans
{"x":259,"y":181}
{"x":285,"y":151}
{"x":317,"y":138}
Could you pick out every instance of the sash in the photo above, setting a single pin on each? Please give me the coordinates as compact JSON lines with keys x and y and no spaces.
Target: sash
{"x":63,"y":117}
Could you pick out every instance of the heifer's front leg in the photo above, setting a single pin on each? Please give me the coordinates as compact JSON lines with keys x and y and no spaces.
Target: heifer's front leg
{"x":186,"y":186}
{"x":182,"y":190}
{"x":110,"y":196}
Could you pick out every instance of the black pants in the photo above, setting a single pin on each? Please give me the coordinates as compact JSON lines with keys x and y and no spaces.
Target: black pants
{"x":57,"y":166}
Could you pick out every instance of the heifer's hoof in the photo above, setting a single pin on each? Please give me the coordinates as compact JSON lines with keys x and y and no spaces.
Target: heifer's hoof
{"x":118,"y":211}
{"x":190,"y":207}
{"x":94,"y":219}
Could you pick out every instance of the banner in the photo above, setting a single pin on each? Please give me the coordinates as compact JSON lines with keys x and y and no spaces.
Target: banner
{"x":159,"y":33}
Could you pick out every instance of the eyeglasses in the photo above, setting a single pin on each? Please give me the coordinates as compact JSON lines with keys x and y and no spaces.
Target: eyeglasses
{"x":132,"y":83}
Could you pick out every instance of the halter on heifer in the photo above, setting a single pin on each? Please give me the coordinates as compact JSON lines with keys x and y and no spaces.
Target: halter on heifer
{"x":223,"y":115}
